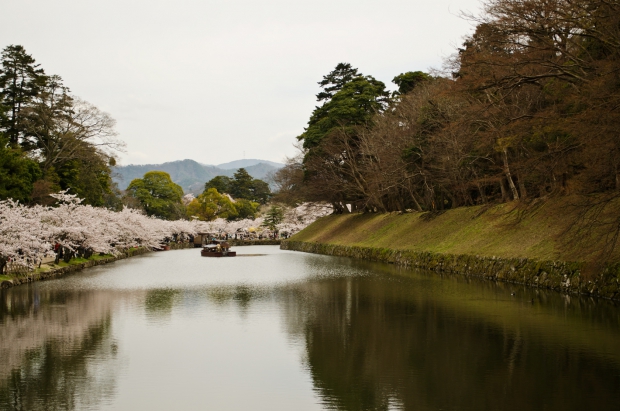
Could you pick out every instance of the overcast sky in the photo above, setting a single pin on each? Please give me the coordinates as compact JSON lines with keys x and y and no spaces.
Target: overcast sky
{"x":215,"y":80}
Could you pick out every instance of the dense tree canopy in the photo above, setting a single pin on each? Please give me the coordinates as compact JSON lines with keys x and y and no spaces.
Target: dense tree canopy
{"x":353,"y":104}
{"x":69,"y":140}
{"x":17,"y":173}
{"x":221,"y":183}
{"x":261,"y":193}
{"x":409,"y":80}
{"x":158,"y":195}
{"x":246,"y":209}
{"x":333,"y":132}
{"x":211,"y":205}
{"x":241,"y":186}
{"x":531,"y":110}
{"x":246,"y":195}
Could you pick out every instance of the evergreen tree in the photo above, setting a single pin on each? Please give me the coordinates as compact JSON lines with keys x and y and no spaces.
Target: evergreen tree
{"x":335,"y":80}
{"x":48,"y":122}
{"x":261,"y":193}
{"x":273,"y":217}
{"x":20,"y":82}
{"x":354,"y":104}
{"x":409,"y":80}
{"x":241,"y":185}
{"x":331,"y":139}
{"x":221,"y":183}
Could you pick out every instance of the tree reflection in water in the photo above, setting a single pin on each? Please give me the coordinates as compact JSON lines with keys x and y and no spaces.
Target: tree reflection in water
{"x":379,"y":344}
{"x":159,"y":303}
{"x":57,"y":350}
{"x":371,"y":337}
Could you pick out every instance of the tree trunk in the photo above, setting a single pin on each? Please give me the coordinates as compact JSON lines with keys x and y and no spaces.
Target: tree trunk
{"x":522,"y":188}
{"x":67,"y":254}
{"x":483,"y":196}
{"x":415,"y":202}
{"x":513,"y":188}
{"x":502,"y":187}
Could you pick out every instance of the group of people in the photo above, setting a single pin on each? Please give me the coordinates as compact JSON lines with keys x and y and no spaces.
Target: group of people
{"x":244,"y":235}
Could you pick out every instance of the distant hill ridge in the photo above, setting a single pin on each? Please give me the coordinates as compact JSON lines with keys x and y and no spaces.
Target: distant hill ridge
{"x":237,"y":164}
{"x":192,"y":175}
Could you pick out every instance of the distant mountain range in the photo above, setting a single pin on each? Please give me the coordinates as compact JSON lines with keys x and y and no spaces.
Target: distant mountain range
{"x":237,"y":164}
{"x":192,"y":175}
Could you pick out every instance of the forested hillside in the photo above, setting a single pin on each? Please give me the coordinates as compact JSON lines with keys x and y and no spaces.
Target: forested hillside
{"x":527,"y":108}
{"x":190,"y":174}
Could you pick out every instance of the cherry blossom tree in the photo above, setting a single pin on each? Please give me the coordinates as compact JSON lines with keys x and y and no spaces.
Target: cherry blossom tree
{"x":28,"y":234}
{"x":24,"y":238}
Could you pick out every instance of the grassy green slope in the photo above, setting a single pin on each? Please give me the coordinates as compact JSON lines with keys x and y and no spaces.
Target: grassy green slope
{"x":504,"y":230}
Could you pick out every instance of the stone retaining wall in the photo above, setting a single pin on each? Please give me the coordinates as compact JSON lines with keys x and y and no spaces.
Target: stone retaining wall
{"x":179,"y":246}
{"x":560,"y":276}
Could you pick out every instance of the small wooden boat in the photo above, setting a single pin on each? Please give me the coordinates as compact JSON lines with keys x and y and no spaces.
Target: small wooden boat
{"x":217,"y":248}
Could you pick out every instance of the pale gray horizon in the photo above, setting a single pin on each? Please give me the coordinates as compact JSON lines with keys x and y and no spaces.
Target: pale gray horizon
{"x":216,"y":81}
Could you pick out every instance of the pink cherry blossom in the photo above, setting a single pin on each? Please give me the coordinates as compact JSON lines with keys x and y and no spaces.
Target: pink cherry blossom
{"x":28,"y":234}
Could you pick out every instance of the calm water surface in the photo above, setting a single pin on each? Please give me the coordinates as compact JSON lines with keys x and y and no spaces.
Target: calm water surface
{"x":294,"y":331}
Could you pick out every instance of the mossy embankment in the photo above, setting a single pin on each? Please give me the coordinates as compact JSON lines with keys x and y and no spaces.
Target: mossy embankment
{"x":548,"y":244}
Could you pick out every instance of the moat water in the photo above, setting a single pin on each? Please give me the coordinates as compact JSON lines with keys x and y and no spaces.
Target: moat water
{"x":282,"y":330}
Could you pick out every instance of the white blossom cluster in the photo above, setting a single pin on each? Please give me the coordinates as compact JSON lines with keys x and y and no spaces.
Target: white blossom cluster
{"x":295,"y":219}
{"x":28,"y":234}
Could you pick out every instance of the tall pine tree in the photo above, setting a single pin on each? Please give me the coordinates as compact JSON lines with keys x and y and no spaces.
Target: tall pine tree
{"x":20,"y":82}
